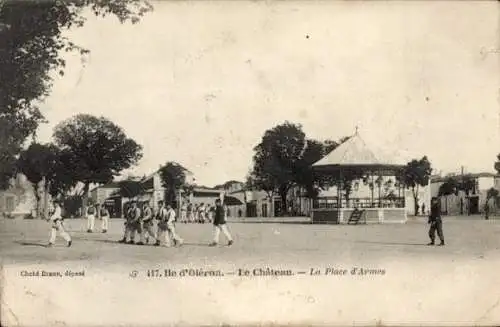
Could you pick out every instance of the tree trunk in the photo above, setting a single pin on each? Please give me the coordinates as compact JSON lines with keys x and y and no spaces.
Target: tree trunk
{"x":415,"y":199}
{"x":85,"y":198}
{"x":284,"y":205}
{"x":46,"y":187}
{"x":38,"y":199}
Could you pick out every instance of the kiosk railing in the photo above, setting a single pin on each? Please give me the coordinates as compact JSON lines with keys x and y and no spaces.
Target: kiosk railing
{"x":331,"y":202}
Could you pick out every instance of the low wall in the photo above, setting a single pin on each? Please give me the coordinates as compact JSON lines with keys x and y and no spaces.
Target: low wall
{"x":371,"y":215}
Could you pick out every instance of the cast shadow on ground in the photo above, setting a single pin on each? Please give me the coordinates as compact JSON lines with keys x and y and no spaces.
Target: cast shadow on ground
{"x":150,"y":244}
{"x":273,"y":222}
{"x":25,"y":243}
{"x":392,"y":243}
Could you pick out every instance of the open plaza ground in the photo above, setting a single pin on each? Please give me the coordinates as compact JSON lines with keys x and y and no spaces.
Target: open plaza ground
{"x":406,"y":282}
{"x":290,"y":241}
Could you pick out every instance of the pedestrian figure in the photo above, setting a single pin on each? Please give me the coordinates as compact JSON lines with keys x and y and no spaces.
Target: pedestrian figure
{"x":90,"y":213}
{"x":147,"y":224}
{"x":162,"y":224}
{"x":190,"y":216}
{"x":220,"y":224}
{"x":201,"y":213}
{"x":104,"y":215}
{"x":486,"y":210}
{"x":423,"y":209}
{"x":167,"y":228}
{"x":435,"y":222}
{"x":57,"y":226}
{"x":127,"y":225}
{"x":136,"y":225}
{"x":183,"y":213}
{"x":211,"y":213}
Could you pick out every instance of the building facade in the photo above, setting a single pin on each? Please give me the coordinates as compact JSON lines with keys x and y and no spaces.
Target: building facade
{"x":474,"y":203}
{"x":19,"y":199}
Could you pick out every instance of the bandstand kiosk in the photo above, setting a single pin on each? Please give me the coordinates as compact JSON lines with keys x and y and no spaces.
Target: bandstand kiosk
{"x":355,"y":158}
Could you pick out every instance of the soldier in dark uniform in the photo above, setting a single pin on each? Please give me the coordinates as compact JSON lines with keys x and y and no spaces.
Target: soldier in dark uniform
{"x":136,"y":224}
{"x":147,"y":224}
{"x":220,"y":224}
{"x":435,"y":221}
{"x":127,"y":224}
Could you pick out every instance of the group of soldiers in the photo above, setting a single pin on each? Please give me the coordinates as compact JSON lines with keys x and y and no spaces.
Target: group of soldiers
{"x":200,"y":213}
{"x":140,"y":221}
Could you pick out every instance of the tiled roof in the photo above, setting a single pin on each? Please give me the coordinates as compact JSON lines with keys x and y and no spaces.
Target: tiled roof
{"x":355,"y":151}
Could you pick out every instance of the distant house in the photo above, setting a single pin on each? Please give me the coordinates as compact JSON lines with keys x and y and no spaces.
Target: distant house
{"x":19,"y":199}
{"x":205,"y":195}
{"x":108,"y":195}
{"x":458,"y":204}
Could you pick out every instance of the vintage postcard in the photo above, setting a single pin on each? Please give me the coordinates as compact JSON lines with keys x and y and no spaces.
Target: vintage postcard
{"x":249,"y":163}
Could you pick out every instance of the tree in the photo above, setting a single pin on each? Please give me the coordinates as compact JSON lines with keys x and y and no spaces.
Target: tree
{"x":417,"y":173}
{"x":173,"y":178}
{"x":96,"y":149}
{"x":38,"y":163}
{"x":497,"y":164}
{"x":277,"y":158}
{"x":31,"y":48}
{"x":449,"y":187}
{"x":304,"y":174}
{"x":44,"y":165}
{"x":130,"y":189}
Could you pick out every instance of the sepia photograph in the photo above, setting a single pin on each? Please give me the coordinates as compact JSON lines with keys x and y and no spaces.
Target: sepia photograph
{"x":249,"y":163}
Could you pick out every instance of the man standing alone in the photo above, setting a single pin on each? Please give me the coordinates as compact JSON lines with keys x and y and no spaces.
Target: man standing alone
{"x":57,"y":226}
{"x":436,"y":222}
{"x":220,"y":224}
{"x":104,"y":215}
{"x":91,"y":212}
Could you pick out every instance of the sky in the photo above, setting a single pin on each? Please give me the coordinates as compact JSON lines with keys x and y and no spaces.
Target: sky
{"x":200,"y":82}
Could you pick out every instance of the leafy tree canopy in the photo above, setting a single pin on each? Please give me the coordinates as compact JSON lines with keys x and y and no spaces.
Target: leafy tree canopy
{"x":417,"y":173}
{"x":38,"y":161}
{"x":449,"y":186}
{"x":497,"y":164}
{"x":283,"y":159}
{"x":173,"y":177}
{"x":130,"y":188}
{"x":96,"y":148}
{"x":31,"y":48}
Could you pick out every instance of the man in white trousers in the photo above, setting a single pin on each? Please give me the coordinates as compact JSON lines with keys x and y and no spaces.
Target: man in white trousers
{"x":220,"y":224}
{"x":104,"y":215}
{"x":57,"y":226}
{"x":127,"y":225}
{"x":166,"y":227}
{"x":91,"y":212}
{"x":147,"y":224}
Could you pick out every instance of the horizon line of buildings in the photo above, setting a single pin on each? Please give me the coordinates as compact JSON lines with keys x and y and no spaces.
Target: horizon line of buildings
{"x":20,"y":198}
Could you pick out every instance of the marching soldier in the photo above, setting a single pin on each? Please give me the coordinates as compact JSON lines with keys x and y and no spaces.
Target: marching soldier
{"x":435,"y":222}
{"x":90,"y":213}
{"x":136,"y":221}
{"x":147,"y":224}
{"x":166,"y":227}
{"x":220,"y":224}
{"x":129,"y":225}
{"x":171,"y":218}
{"x":183,"y":212}
{"x":104,"y":215}
{"x":57,"y":226}
{"x":201,"y":213}
{"x":162,"y":224}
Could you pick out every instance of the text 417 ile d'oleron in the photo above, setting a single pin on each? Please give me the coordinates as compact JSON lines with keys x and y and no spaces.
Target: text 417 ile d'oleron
{"x":258,"y":272}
